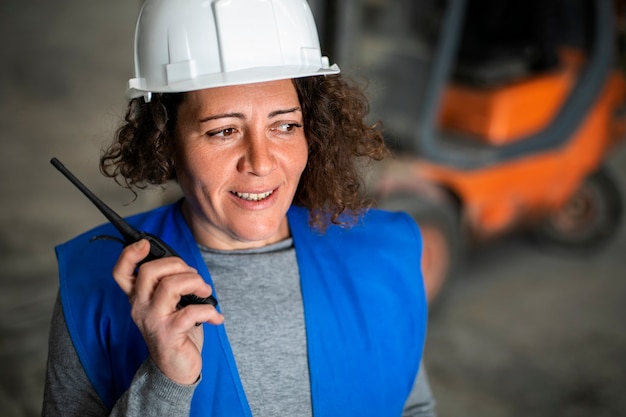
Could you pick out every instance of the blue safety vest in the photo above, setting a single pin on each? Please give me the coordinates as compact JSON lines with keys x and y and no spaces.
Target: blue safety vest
{"x":364,"y":307}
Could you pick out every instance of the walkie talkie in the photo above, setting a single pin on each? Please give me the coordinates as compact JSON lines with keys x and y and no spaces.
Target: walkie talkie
{"x":158,"y":248}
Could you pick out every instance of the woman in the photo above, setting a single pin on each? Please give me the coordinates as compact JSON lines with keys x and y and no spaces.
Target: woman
{"x":320,"y":309}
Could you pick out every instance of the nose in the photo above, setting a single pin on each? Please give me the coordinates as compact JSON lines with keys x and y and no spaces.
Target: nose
{"x":258,"y":157}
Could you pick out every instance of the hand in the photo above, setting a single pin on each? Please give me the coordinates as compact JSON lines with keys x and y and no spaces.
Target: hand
{"x":173,"y":338}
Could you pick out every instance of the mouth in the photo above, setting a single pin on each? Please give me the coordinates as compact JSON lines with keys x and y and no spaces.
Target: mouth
{"x":253,"y":196}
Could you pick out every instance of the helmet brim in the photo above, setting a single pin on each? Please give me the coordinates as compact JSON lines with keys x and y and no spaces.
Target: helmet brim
{"x":138,"y":87}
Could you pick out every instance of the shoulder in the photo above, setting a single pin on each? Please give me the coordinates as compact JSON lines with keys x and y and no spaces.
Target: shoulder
{"x":147,"y":220}
{"x":398,"y":224}
{"x":85,"y":262}
{"x":374,"y":226}
{"x":381,"y":245}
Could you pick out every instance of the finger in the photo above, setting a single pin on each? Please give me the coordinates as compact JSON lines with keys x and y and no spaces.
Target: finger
{"x":171,"y":288}
{"x":195,"y":314}
{"x":124,"y":269}
{"x":152,"y":273}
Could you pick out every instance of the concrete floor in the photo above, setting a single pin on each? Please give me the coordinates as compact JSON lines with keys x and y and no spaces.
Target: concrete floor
{"x":523,"y":332}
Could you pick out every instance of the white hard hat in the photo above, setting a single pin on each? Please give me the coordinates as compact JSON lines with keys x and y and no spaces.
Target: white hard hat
{"x":186,"y":45}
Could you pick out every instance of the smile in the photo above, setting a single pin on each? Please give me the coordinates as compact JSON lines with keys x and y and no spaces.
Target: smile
{"x":253,"y":196}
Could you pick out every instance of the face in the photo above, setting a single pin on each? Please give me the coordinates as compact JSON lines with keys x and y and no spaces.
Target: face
{"x":240,"y":153}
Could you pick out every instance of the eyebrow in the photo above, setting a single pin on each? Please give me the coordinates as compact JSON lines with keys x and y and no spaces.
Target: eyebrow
{"x":242,"y":116}
{"x":286,"y":111}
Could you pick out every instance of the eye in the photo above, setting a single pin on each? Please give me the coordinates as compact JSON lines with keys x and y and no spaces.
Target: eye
{"x":288,"y":127}
{"x":224,"y":133}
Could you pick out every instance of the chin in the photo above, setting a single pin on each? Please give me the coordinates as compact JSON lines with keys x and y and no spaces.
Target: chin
{"x":260,"y":235}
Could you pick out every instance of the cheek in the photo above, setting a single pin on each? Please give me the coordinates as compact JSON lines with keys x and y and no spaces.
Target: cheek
{"x":204,"y":172}
{"x":300,"y":156}
{"x":194,"y":165}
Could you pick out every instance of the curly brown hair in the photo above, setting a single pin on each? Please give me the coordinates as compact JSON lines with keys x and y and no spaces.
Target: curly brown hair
{"x":331,"y":187}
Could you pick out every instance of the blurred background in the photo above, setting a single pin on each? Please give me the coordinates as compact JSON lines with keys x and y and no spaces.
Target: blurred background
{"x":507,"y":126}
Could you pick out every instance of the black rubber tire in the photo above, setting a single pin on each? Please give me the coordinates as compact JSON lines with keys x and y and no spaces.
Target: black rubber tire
{"x":589,"y":220}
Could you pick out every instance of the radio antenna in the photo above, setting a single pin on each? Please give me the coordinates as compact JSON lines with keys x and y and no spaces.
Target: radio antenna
{"x":127,"y":231}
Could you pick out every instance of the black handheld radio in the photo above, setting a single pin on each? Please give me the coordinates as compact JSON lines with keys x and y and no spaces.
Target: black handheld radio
{"x":158,"y":248}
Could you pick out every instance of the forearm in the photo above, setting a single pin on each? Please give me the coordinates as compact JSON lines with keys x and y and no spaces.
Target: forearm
{"x":68,"y":391}
{"x":152,"y":394}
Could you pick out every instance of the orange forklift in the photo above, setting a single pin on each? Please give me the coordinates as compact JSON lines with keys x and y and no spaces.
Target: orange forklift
{"x":515,"y":124}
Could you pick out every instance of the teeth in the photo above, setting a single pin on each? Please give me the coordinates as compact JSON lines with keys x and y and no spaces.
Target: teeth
{"x":253,"y":197}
